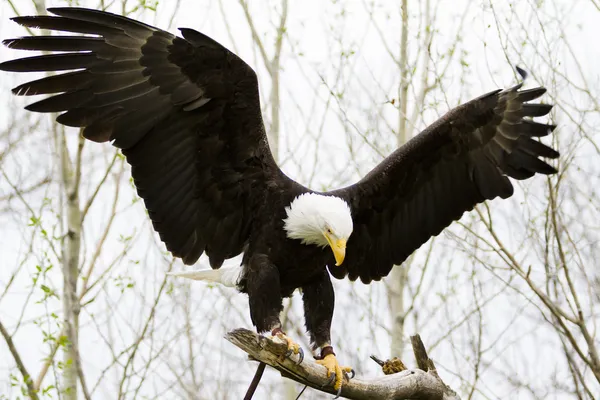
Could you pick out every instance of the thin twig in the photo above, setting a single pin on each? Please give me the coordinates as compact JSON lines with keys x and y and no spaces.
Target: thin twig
{"x":20,"y":366}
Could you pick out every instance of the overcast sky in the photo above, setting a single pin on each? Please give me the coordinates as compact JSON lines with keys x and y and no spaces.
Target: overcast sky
{"x":317,"y":34}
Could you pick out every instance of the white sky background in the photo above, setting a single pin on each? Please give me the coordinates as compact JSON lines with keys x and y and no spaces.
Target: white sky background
{"x":518,"y":342}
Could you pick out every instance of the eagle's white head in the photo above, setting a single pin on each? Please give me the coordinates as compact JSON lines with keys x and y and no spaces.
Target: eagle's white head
{"x":320,"y":220}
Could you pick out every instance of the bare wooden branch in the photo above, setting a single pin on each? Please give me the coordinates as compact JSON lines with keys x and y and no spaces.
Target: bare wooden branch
{"x":423,"y":361}
{"x":408,"y":384}
{"x":20,"y":366}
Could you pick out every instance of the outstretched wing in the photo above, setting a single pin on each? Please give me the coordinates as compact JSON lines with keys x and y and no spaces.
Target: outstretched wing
{"x":461,"y":160}
{"x":185,"y":111}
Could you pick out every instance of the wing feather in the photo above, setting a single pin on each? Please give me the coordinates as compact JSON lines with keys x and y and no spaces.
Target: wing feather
{"x":54,"y":84}
{"x":185,"y":112}
{"x":461,"y":160}
{"x":52,"y":62}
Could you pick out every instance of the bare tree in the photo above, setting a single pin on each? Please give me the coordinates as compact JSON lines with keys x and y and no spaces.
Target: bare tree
{"x":506,"y":299}
{"x":560,"y":286}
{"x":66,"y":248}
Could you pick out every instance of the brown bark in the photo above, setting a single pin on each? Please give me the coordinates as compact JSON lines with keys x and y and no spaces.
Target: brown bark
{"x":408,"y":384}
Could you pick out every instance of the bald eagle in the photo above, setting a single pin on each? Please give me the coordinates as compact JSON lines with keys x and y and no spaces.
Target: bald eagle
{"x":185,"y":112}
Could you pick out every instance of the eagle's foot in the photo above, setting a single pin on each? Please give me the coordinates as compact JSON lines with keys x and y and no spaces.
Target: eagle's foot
{"x":293,"y":347}
{"x":335,"y":372}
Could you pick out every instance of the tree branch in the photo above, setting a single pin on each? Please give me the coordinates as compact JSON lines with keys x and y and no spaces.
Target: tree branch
{"x":409,"y":384}
{"x":20,"y":366}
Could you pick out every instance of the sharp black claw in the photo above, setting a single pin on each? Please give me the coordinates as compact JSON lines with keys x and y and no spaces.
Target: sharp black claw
{"x":352,"y":372}
{"x":338,"y":394}
{"x":331,"y":380}
{"x":300,"y":356}
{"x":289,"y":353}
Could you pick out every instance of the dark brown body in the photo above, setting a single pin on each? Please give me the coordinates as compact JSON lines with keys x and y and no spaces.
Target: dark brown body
{"x":275,"y":265}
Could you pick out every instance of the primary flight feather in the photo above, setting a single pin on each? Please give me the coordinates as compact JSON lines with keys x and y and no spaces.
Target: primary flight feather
{"x":186,"y":113}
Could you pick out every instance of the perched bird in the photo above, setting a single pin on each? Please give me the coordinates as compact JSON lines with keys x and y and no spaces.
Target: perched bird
{"x":185,"y":112}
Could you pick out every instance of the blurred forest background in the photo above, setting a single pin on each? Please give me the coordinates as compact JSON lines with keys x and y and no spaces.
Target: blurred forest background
{"x":506,"y":300}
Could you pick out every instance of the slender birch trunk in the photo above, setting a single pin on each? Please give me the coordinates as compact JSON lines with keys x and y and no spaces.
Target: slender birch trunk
{"x":70,"y":264}
{"x":398,"y":278}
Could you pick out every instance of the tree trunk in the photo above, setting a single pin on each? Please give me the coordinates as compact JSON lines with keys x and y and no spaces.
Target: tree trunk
{"x":71,"y":247}
{"x":398,"y":278}
{"x":70,"y":265}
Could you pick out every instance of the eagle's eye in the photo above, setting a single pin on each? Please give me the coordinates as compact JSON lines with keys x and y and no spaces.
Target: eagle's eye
{"x":329,"y":231}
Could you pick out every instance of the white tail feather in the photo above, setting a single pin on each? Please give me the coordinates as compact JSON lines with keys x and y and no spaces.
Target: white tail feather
{"x":226,"y":276}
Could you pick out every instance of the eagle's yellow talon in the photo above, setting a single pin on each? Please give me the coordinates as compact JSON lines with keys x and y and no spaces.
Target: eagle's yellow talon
{"x":293,"y":347}
{"x":334,"y":369}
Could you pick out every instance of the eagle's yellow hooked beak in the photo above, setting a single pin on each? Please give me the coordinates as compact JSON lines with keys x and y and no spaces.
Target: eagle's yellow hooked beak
{"x":338,"y":246}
